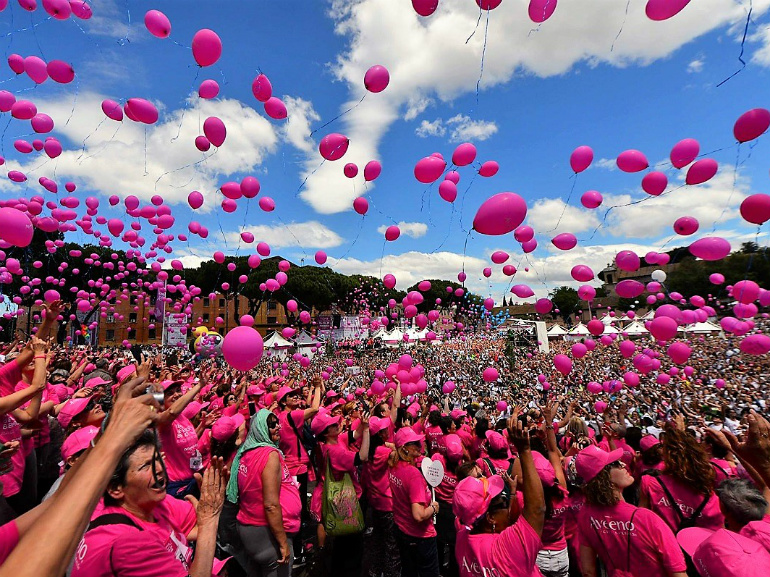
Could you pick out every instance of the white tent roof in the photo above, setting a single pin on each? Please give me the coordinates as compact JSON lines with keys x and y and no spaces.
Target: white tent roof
{"x":415,"y":334}
{"x":702,"y":328}
{"x":607,"y":319}
{"x":394,"y":335}
{"x":649,"y":315}
{"x":556,"y":331}
{"x":579,"y":329}
{"x":305,"y":339}
{"x":636,"y":328}
{"x":379,"y":333}
{"x":276,"y":341}
{"x":610,"y":330}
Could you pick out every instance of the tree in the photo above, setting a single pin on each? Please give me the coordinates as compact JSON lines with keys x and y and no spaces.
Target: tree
{"x":566,"y":300}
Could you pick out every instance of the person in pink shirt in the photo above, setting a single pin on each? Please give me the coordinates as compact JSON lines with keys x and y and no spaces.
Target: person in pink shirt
{"x":683,"y":493}
{"x":179,"y":439}
{"x":631,"y":541}
{"x":268,"y":499}
{"x":498,"y":458}
{"x":445,"y":525}
{"x":381,"y":543}
{"x":650,"y":455}
{"x":488,"y":542}
{"x":413,"y":509}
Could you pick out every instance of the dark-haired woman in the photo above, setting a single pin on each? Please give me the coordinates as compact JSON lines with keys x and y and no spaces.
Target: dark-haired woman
{"x":683,"y":493}
{"x":629,"y":540}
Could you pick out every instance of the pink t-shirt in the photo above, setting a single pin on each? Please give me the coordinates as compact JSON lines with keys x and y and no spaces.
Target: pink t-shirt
{"x":204,"y":447}
{"x":251,"y":505}
{"x":432,"y":435}
{"x":9,"y":538}
{"x":723,"y":470}
{"x":553,"y":536}
{"x":500,"y":465}
{"x":10,"y":374}
{"x":11,"y":431}
{"x":180,"y":446}
{"x":688,"y":501}
{"x":512,"y":552}
{"x":446,"y":490}
{"x":654,"y":551}
{"x":160,"y":549}
{"x":409,"y":486}
{"x":374,"y":478}
{"x":289,"y":444}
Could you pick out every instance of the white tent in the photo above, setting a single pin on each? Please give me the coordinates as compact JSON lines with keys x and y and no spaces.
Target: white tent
{"x":393,"y":338}
{"x":701,"y":328}
{"x":415,"y":334}
{"x":277,"y":345}
{"x":635,"y":329}
{"x":607,"y":319}
{"x":556,"y":332}
{"x":579,"y":331}
{"x":648,"y":316}
{"x":305,"y":343}
{"x":380,"y":333}
{"x":610,"y":330}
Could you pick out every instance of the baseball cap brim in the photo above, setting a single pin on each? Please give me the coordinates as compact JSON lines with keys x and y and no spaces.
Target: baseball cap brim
{"x":690,"y":538}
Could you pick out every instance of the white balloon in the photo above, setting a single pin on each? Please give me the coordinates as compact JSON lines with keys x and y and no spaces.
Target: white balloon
{"x":658,"y":275}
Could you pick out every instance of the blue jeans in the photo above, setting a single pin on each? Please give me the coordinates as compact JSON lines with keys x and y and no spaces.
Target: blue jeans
{"x":419,"y":555}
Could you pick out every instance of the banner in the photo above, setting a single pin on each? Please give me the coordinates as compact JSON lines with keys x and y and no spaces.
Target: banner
{"x":172,"y":330}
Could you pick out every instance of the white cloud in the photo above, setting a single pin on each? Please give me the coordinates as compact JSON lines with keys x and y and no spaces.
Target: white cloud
{"x":429,"y":58}
{"x":712,"y":202}
{"x":131,"y":158}
{"x":310,"y":234}
{"x":296,"y":131}
{"x":545,"y":213}
{"x":605,"y":164}
{"x":464,"y":128}
{"x":762,"y":54}
{"x":696,"y":66}
{"x":416,"y":105}
{"x":413,"y":229}
{"x":435,"y":128}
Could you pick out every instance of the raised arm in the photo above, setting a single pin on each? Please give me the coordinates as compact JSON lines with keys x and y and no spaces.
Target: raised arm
{"x":534,"y":500}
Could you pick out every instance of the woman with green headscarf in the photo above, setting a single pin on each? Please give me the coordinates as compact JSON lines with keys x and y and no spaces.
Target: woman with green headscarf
{"x":269,"y":504}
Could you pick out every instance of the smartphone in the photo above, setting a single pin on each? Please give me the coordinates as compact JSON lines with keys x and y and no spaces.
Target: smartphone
{"x":136,"y":350}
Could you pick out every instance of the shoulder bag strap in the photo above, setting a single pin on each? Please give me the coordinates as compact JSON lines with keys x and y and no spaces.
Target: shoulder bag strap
{"x":628,"y":554}
{"x":296,"y":433}
{"x":113,"y":519}
{"x":492,"y":468}
{"x":674,"y":504}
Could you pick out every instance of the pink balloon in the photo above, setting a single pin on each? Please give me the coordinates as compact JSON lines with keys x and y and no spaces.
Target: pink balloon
{"x":710,"y":248}
{"x":716,"y":278}
{"x":543,"y":306}
{"x":42,"y":123}
{"x":541,"y":10}
{"x":350,"y":170}
{"x":392,"y":233}
{"x":52,"y":147}
{"x":320,"y":257}
{"x":563,"y":364}
{"x":582,"y":273}
{"x":489,"y":168}
{"x":141,"y":110}
{"x":664,"y":9}
{"x":376,"y":79}
{"x":751,"y":124}
{"x":372,"y":170}
{"x":488,"y":4}
{"x":632,"y":161}
{"x":746,"y":291}
{"x":587,"y":293}
{"x":275,"y":108}
{"x":629,"y":289}
{"x":487,"y":272}
{"x":242,"y":348}
{"x":508,"y":270}
{"x":499,"y":257}
{"x":429,"y":169}
{"x":215,"y":130}
{"x":208,"y":89}
{"x":582,"y":157}
{"x":202,"y":143}
{"x":490,"y":374}
{"x":36,"y":69}
{"x":464,"y":154}
{"x":631,"y":379}
{"x":701,"y":171}
{"x":627,"y":348}
{"x":447,"y":190}
{"x":663,"y":328}
{"x":627,"y":260}
{"x":524,"y":233}
{"x":261,"y":88}
{"x":16,"y":63}
{"x":389,"y":281}
{"x":206,"y":47}
{"x":687,"y":225}
{"x":654,"y":183}
{"x":500,"y":214}
{"x":684,"y":152}
{"x":591,"y":199}
{"x":425,"y":7}
{"x":333,"y":146}
{"x":267,"y":204}
{"x":756,"y":208}
{"x":60,"y":71}
{"x":564,"y":241}
{"x":361,"y":205}
{"x":755,"y":344}
{"x":112,"y":110}
{"x":529,"y":246}
{"x":157,"y":23}
{"x":81,"y":9}
{"x":522,"y":291}
{"x":595,"y":327}
{"x":16,"y":228}
{"x":263,"y":249}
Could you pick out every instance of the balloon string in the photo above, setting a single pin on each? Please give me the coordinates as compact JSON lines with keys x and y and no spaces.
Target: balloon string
{"x":145,"y":151}
{"x":355,"y":240}
{"x":743,"y":45}
{"x":735,"y":185}
{"x":74,"y":101}
{"x":483,"y":54}
{"x":124,"y":40}
{"x":382,"y":255}
{"x":462,"y":202}
{"x":304,"y":182}
{"x":291,"y":232}
{"x":34,"y":34}
{"x":612,"y":48}
{"x":196,"y":163}
{"x":188,"y":103}
{"x":2,"y":137}
{"x":94,"y":131}
{"x":106,"y":144}
{"x":339,"y":115}
{"x":478,"y":21}
{"x":448,"y":231}
{"x":564,"y":208}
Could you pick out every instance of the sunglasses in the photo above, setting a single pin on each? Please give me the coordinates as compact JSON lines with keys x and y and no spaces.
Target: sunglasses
{"x":618,"y":465}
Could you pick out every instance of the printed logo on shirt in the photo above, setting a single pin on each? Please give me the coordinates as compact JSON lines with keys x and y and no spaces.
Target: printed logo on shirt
{"x":606,"y":525}
{"x":395,"y":480}
{"x":476,"y":568}
{"x":686,"y":510}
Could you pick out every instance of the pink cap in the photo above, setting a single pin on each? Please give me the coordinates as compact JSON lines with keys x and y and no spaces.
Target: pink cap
{"x":60,"y":391}
{"x":454,"y":447}
{"x":457,"y":413}
{"x":90,"y":367}
{"x":169,"y":383}
{"x":648,"y":442}
{"x":239,"y":419}
{"x":377,"y":424}
{"x":97,"y":382}
{"x":192,"y":409}
{"x":255,"y":390}
{"x":496,"y":441}
{"x":544,"y":469}
{"x":283,"y":391}
{"x":72,"y":409}
{"x":723,"y":553}
{"x":472,"y":497}
{"x":218,"y":565}
{"x":407,"y":435}
{"x":591,"y":460}
{"x":78,"y":441}
{"x":125,"y":372}
{"x":223,"y":428}
{"x":321,"y":422}
{"x":331,"y":394}
{"x":413,"y":409}
{"x":758,"y":531}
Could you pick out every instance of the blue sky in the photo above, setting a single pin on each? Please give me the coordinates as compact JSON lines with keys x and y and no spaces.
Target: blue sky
{"x":591,"y":75}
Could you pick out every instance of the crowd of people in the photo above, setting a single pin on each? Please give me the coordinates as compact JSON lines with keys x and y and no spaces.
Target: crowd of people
{"x":116,"y":462}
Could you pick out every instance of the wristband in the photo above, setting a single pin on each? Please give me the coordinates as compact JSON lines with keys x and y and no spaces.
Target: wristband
{"x":40,"y":357}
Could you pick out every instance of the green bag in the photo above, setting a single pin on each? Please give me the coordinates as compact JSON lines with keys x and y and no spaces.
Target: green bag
{"x":341,"y":513}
